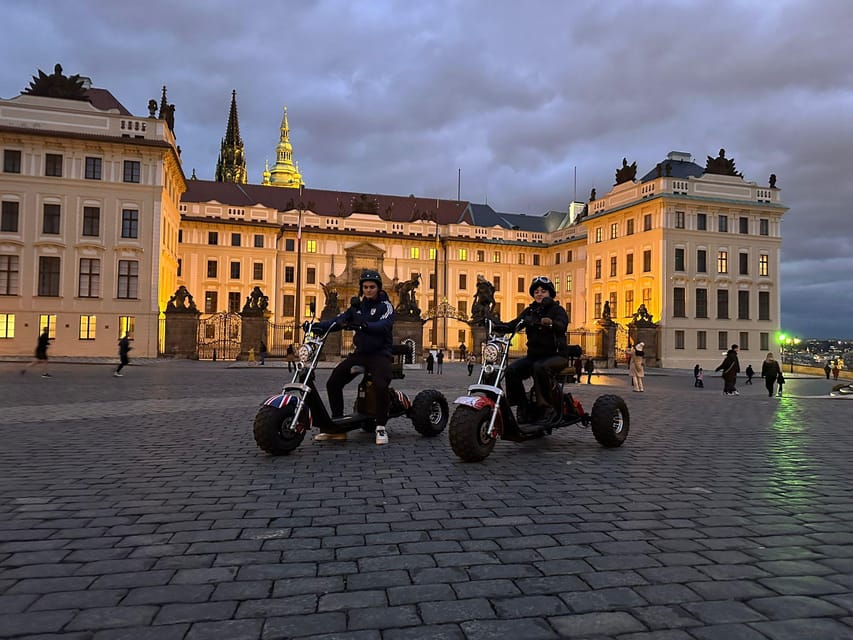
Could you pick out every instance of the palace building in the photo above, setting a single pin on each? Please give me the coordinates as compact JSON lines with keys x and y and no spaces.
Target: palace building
{"x":697,"y":246}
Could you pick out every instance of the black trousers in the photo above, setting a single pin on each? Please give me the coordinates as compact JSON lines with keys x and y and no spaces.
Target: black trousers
{"x":379,"y":366}
{"x":541,"y":370}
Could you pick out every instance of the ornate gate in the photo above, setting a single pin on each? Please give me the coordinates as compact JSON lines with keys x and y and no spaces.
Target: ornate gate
{"x":623,"y":342}
{"x":219,"y":336}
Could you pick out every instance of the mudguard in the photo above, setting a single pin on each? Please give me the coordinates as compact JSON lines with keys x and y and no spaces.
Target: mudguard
{"x":475,"y":402}
{"x":282,"y":400}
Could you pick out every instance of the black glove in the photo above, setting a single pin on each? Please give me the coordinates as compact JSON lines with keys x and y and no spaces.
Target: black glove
{"x":547,"y":301}
{"x":357,"y":325}
{"x":355,"y":302}
{"x":531,"y":321}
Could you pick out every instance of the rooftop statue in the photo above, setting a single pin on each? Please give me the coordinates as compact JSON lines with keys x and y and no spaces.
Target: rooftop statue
{"x":627,"y":172}
{"x":721,"y":165}
{"x":57,"y":85}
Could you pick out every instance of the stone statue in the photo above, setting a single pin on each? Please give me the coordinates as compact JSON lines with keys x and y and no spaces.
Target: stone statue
{"x":331,"y":296}
{"x":408,"y":305}
{"x":484,"y":300}
{"x":627,"y":172}
{"x":772,"y":180}
{"x":181,"y":302}
{"x":256,"y":302}
{"x":592,"y":195}
{"x":642,"y":318}
{"x":152,"y":108}
{"x":57,"y":85}
{"x":605,"y":313}
{"x":721,"y":165}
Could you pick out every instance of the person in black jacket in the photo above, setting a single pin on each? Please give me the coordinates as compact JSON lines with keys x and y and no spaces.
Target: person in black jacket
{"x":372,"y":319}
{"x":770,"y":371}
{"x":545,"y":323}
{"x":730,"y":368}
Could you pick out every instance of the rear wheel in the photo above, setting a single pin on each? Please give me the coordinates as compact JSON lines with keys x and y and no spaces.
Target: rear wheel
{"x":429,"y":413}
{"x":610,"y":421}
{"x":469,"y":433}
{"x":272,"y":432}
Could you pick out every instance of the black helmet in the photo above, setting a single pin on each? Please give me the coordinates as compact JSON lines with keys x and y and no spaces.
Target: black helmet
{"x":369,"y":275}
{"x":545,"y":283}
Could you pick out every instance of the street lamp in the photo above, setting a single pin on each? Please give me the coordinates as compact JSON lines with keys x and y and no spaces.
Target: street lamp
{"x":790,"y":342}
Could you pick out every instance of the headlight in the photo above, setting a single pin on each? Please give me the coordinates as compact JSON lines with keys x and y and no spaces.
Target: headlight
{"x":491,"y":353}
{"x":304,"y":352}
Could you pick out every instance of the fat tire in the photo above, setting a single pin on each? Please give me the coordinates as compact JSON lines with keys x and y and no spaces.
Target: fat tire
{"x":604,"y":411}
{"x":422,"y":413}
{"x":271,"y":432}
{"x":466,"y":425}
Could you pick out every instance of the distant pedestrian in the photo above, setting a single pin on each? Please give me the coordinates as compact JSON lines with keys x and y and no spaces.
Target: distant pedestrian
{"x":835,"y":371}
{"x":439,"y":360}
{"x":41,"y":354}
{"x":781,"y":382}
{"x":463,"y":352}
{"x":827,"y":369}
{"x":700,"y":378}
{"x":472,"y":360}
{"x":123,"y":349}
{"x":290,"y":357}
{"x":749,"y":373}
{"x":578,"y":369}
{"x":636,"y":368}
{"x":262,"y":352}
{"x":696,"y":374}
{"x":770,"y":371}
{"x":430,"y":361}
{"x":730,"y":368}
{"x":589,"y":367}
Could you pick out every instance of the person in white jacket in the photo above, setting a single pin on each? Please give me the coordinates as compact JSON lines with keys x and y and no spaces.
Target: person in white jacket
{"x":637,"y":367}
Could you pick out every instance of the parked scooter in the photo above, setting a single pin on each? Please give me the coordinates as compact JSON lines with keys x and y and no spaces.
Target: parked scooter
{"x":283,"y":420}
{"x":484,"y":415}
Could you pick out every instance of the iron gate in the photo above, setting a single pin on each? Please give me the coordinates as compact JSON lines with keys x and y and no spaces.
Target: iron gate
{"x":219,"y":336}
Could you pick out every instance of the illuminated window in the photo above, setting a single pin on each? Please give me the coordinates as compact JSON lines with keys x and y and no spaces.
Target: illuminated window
{"x":415,"y":252}
{"x":520,"y":258}
{"x":87,"y":327}
{"x":7,"y":325}
{"x":432,"y":253}
{"x":629,"y":302}
{"x":568,"y":282}
{"x":463,"y":255}
{"x":764,"y":265}
{"x":614,"y":230}
{"x":496,"y":257}
{"x":598,"y":234}
{"x":309,"y":302}
{"x":48,"y":320}
{"x":311,"y":246}
{"x":722,"y":262}
{"x":126,"y":326}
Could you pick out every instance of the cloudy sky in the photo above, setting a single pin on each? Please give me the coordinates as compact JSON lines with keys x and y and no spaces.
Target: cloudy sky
{"x":392,"y":96}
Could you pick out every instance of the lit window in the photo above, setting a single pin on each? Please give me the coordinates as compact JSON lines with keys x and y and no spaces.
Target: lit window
{"x":415,"y":252}
{"x":7,"y":325}
{"x":311,"y":246}
{"x":764,"y":265}
{"x":126,"y":326}
{"x":87,"y":327}
{"x":48,"y":321}
{"x":723,"y":262}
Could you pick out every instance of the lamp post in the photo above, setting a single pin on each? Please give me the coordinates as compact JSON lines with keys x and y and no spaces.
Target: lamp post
{"x":790,"y":342}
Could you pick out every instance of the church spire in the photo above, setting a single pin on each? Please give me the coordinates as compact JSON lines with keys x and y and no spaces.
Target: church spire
{"x":285,"y":173}
{"x":231,"y":165}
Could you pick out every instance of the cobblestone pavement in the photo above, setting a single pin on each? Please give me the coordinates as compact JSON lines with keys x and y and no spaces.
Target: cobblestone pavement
{"x":140,"y":507}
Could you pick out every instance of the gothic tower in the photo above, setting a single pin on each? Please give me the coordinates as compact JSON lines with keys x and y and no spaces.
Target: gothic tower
{"x":285,"y":173}
{"x":231,"y":165}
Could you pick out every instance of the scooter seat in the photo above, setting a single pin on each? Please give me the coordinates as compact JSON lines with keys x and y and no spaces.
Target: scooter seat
{"x":357,"y":369}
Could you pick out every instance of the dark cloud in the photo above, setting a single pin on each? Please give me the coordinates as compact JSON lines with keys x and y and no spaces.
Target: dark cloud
{"x":396,"y":97}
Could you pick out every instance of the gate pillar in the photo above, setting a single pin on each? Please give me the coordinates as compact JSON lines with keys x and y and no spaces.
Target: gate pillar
{"x":253,"y":329}
{"x":411,"y":329}
{"x":181,"y":326}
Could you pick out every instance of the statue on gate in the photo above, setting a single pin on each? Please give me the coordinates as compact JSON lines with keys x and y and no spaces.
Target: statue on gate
{"x":408,"y":305}
{"x":256,"y":302}
{"x":181,"y":302}
{"x":484,"y":300}
{"x":331,"y":294}
{"x":642,"y":318}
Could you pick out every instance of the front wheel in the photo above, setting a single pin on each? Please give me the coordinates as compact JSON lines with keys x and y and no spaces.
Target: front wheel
{"x":610,"y":421}
{"x":272,"y":432}
{"x":429,"y":413}
{"x":469,"y":433}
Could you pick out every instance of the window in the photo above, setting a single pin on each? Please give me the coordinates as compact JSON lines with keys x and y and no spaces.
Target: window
{"x":462,"y":255}
{"x":48,"y":276}
{"x":496,"y":257}
{"x":128,"y":279}
{"x":51,"y":219}
{"x":701,"y":261}
{"x":481,"y":256}
{"x":679,"y":339}
{"x":126,"y":326}
{"x":535,"y":259}
{"x":679,"y":303}
{"x":647,"y":297}
{"x":629,"y":264}
{"x":764,"y":341}
{"x":497,"y":282}
{"x":763,"y":230}
{"x":89,"y":282}
{"x":647,"y":260}
{"x":212,"y":267}
{"x":210,"y":301}
{"x":612,"y":266}
{"x":614,"y":231}
{"x":629,"y":227}
{"x":235,"y":239}
{"x":288,"y":305}
{"x":679,"y":259}
{"x":702,"y":221}
{"x":722,"y":262}
{"x":432,"y":281}
{"x":597,"y":307}
{"x":258,"y":271}
{"x":91,"y":221}
{"x":701,"y":303}
{"x":723,"y":340}
{"x":568,"y":308}
{"x":463,"y":281}
{"x":212,"y":237}
{"x":53,"y":165}
{"x":310,"y":301}
{"x":432,"y":253}
{"x":131,"y":170}
{"x":415,"y":252}
{"x":180,"y":266}
{"x":311,"y":275}
{"x":87,"y":327}
{"x":743,"y":224}
{"x":743,"y":263}
{"x":130,"y":223}
{"x":647,"y":222}
{"x":723,"y":223}
{"x":9,"y":275}
{"x":629,"y":302}
{"x":311,"y":246}
{"x":702,"y":340}
{"x":764,"y":265}
{"x":180,"y":235}
{"x":289,"y":274}
{"x":568,"y":256}
{"x":289,"y":244}
{"x":722,"y":304}
{"x":743,"y":305}
{"x":235,"y":270}
{"x":679,"y":223}
{"x":598,"y":268}
{"x":613,"y":301}
{"x":7,"y":325}
{"x":233,"y":301}
{"x":93,"y":169}
{"x":557,"y":257}
{"x":259,"y":241}
{"x":462,"y":306}
{"x":743,"y":343}
{"x":48,"y":321}
{"x":568,"y":283}
{"x":9,"y":217}
{"x":519,"y":308}
{"x":520,"y":258}
{"x":763,"y":306}
{"x":598,"y":234}
{"x":11,"y":161}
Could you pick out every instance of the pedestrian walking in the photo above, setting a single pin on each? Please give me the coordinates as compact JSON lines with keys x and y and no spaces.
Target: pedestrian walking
{"x":781,"y":382}
{"x":696,"y":375}
{"x":730,"y":368}
{"x":636,"y":368}
{"x":827,"y":369}
{"x":749,"y":373}
{"x":578,"y":369}
{"x":472,"y":360}
{"x":40,"y":359}
{"x":439,"y":360}
{"x":430,"y":360}
{"x":700,"y":379}
{"x":770,"y":371}
{"x":123,"y":359}
{"x":463,"y":352}
{"x":835,"y":371}
{"x":262,"y":352}
{"x":290,"y":357}
{"x":589,"y":367}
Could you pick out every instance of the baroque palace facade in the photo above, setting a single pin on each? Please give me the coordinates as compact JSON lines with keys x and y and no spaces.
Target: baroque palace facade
{"x":699,"y":247}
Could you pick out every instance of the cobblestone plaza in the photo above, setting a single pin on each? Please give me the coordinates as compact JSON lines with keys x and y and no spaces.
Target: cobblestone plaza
{"x":140,"y":507}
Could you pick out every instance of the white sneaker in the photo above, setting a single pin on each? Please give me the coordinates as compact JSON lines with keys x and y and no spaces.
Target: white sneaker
{"x":118,"y":375}
{"x":381,"y":435}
